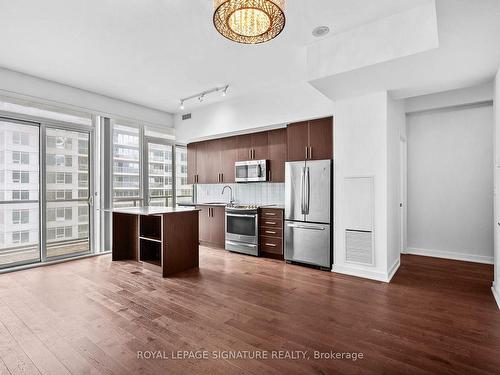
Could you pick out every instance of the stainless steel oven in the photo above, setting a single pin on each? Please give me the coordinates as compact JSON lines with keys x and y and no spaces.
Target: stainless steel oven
{"x":251,"y":170}
{"x":242,"y":230}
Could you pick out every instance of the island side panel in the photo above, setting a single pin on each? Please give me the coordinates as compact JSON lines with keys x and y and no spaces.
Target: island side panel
{"x":180,"y":242}
{"x":125,"y":236}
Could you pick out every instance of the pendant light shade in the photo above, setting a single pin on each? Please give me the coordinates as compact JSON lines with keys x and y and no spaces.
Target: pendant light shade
{"x":249,"y":21}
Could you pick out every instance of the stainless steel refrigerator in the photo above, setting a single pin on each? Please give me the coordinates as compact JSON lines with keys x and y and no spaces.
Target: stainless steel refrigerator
{"x":308,"y":212}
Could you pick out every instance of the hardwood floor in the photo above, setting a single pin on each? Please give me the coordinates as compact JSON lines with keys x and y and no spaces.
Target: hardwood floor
{"x":92,"y":316}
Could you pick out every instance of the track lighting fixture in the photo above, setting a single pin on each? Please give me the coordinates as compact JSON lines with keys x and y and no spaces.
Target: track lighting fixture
{"x":201,"y":96}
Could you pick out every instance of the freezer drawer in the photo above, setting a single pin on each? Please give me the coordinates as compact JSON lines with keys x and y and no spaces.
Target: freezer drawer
{"x":308,"y":243}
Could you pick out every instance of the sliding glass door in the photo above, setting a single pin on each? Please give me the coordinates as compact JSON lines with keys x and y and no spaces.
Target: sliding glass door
{"x":159,"y":176}
{"x":68,"y":197}
{"x":19,"y":193}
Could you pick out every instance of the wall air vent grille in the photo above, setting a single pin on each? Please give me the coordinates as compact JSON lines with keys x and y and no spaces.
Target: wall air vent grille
{"x":187,"y":116}
{"x":359,"y":247}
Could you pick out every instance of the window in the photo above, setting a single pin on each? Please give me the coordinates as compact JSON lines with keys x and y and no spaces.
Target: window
{"x":51,"y":177}
{"x":184,"y":191}
{"x":20,"y":195}
{"x":69,"y":161}
{"x":83,"y":230}
{"x":20,"y":216}
{"x":59,"y":214}
{"x":19,"y":138}
{"x":21,"y":177}
{"x":22,"y":236}
{"x":126,"y":165}
{"x":19,"y":157}
{"x":60,"y":178}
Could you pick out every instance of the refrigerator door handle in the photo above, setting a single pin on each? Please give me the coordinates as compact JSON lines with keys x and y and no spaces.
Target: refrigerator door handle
{"x":298,"y":226}
{"x":302,"y":179}
{"x":307,"y":192}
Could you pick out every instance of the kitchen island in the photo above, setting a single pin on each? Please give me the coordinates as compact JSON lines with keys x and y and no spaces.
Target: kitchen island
{"x":163,"y":239}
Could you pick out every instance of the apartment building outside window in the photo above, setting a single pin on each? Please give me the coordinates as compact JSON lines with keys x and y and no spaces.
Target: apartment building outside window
{"x":127,"y":190}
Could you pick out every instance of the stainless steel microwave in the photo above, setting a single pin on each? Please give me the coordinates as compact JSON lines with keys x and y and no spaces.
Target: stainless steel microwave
{"x":251,"y":170}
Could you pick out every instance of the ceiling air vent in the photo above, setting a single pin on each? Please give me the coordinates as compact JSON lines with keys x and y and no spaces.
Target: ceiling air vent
{"x":187,"y":116}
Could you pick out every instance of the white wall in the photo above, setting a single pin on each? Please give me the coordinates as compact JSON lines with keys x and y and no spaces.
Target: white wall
{"x":360,"y":148}
{"x":450,"y":184}
{"x":496,"y":166}
{"x":262,"y":109}
{"x":396,"y":123}
{"x":20,"y":85}
{"x":468,"y":95}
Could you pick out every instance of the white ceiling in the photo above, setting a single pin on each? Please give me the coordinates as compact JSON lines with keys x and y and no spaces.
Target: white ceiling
{"x":153,"y":52}
{"x":468,"y":55}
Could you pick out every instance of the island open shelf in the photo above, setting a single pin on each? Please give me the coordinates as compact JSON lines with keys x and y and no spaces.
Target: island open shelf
{"x":164,"y":238}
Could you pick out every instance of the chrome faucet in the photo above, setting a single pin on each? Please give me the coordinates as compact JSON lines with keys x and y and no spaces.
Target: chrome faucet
{"x":231,"y":198}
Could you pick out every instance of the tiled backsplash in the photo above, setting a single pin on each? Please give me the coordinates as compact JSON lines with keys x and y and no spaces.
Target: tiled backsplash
{"x":255,"y":193}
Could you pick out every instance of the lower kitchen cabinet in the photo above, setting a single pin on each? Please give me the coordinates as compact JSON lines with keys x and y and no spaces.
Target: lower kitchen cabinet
{"x":271,"y":232}
{"x":212,"y":226}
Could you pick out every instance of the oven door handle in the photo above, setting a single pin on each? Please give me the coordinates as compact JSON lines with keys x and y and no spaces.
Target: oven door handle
{"x":241,"y":244}
{"x":240,"y":215}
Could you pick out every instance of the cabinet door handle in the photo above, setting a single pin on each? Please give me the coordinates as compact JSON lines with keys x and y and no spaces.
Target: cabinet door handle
{"x":306,"y":152}
{"x":270,"y":244}
{"x":222,"y":177}
{"x":310,"y":152}
{"x":270,"y":214}
{"x":271,"y":222}
{"x":270,"y":232}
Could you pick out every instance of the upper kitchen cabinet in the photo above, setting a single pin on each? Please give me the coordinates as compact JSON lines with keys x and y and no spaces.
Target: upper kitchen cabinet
{"x":260,"y":146}
{"x":321,"y":139}
{"x":197,"y":153}
{"x":191,"y":163}
{"x":297,"y":141}
{"x":213,"y":162}
{"x":277,"y":155}
{"x":229,"y":156}
{"x":310,"y":140}
{"x":244,"y":147}
{"x":253,"y":146}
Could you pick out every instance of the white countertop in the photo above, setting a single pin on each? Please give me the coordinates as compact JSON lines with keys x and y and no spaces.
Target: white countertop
{"x":150,"y":210}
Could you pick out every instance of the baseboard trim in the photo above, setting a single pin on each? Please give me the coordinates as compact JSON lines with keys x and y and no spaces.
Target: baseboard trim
{"x":394,"y":268}
{"x":450,"y":255}
{"x":496,"y":294}
{"x":365,"y":274}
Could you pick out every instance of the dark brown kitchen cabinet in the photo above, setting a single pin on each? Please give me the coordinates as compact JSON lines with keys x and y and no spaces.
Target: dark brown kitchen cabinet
{"x":277,"y":155}
{"x":321,"y":139}
{"x":297,"y":141}
{"x":201,"y":162}
{"x":213,"y":162}
{"x":191,"y":163}
{"x":253,"y":146}
{"x":229,"y":155}
{"x":310,"y":140}
{"x":197,"y":153}
{"x":271,"y":232}
{"x":212,"y":226}
{"x":260,"y":146}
